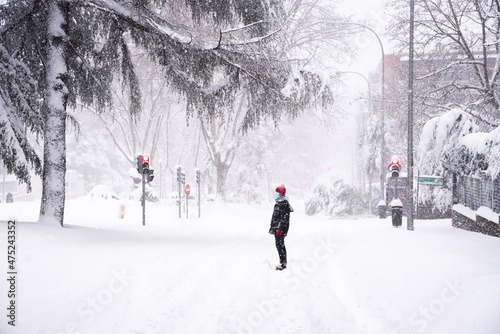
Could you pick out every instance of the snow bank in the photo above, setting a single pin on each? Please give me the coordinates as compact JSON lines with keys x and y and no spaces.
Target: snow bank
{"x":465,"y":211}
{"x":487,"y":213}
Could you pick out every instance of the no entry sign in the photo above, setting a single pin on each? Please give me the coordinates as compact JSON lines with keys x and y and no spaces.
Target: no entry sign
{"x":187,"y":190}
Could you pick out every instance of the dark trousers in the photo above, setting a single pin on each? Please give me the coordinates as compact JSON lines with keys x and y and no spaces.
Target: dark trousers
{"x":280,"y":246}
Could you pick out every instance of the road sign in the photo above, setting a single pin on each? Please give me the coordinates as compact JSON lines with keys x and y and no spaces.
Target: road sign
{"x":187,"y":190}
{"x":436,"y":180}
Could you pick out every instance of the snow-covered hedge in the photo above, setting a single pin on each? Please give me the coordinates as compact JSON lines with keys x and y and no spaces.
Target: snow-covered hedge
{"x":452,"y":144}
{"x":474,"y":154}
{"x":441,"y":135}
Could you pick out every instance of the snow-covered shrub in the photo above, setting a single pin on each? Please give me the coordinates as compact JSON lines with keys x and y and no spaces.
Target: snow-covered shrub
{"x":443,"y":150}
{"x":151,"y":195}
{"x":249,"y":194}
{"x":451,"y":144}
{"x":466,"y":159}
{"x":318,"y":200}
{"x":493,"y":145}
{"x":101,"y":191}
{"x":437,"y":197}
{"x":440,"y":135}
{"x":136,"y":194}
{"x":338,"y":201}
{"x":345,"y":200}
{"x":443,"y":199}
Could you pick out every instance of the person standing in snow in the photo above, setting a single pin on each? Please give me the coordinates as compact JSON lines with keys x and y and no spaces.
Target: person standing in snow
{"x":280,"y":222}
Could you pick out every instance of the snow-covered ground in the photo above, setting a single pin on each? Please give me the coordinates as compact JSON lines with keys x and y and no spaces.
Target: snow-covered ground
{"x":102,"y":274}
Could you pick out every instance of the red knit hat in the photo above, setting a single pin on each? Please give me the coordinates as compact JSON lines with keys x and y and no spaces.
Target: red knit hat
{"x":281,"y":190}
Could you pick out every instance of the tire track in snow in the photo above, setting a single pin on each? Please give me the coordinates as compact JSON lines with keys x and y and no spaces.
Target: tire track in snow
{"x":296,"y":300}
{"x":191,"y":296}
{"x":363,"y":317}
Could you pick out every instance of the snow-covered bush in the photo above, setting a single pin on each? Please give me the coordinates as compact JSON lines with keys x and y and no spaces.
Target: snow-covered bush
{"x":440,"y":135}
{"x":468,"y":156}
{"x":101,"y":191}
{"x":318,"y":200}
{"x":451,"y":143}
{"x":249,"y":194}
{"x":475,"y":154}
{"x":441,"y":152}
{"x":151,"y":195}
{"x":493,"y":146}
{"x":437,"y":197}
{"x":136,"y":194}
{"x":340,"y":200}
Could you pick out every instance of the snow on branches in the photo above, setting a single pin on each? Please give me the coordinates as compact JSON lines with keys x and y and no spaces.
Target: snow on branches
{"x":439,"y":135}
{"x":451,"y":143}
{"x":18,"y":114}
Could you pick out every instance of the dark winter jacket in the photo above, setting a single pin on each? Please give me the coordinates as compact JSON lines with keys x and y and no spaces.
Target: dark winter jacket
{"x":281,"y":216}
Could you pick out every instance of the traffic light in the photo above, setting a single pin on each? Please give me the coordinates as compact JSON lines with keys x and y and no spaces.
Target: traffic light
{"x":139,"y":164}
{"x":179,"y":174}
{"x":150,"y":175}
{"x":143,"y":164}
{"x":394,"y":167}
{"x":183,"y":178}
{"x":198,"y":176}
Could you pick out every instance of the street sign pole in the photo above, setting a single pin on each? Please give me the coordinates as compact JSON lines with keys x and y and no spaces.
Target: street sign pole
{"x":199,"y":201}
{"x":143,"y":199}
{"x":198,"y":181}
{"x":179,"y":182}
{"x":187,"y":191}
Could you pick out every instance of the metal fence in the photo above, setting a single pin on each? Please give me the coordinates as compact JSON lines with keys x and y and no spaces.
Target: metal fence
{"x":474,"y":192}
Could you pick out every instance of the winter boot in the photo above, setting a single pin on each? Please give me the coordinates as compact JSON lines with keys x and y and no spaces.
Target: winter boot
{"x":281,"y":266}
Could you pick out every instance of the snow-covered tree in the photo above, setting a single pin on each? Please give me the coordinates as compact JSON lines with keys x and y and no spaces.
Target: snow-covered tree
{"x":440,"y":153}
{"x":74,"y":48}
{"x":440,"y":135}
{"x":223,"y":139}
{"x":130,"y":134}
{"x":457,"y":56}
{"x":19,"y":116}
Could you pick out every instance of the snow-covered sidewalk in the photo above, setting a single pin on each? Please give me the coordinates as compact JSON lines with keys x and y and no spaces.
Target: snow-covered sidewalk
{"x":102,"y":274}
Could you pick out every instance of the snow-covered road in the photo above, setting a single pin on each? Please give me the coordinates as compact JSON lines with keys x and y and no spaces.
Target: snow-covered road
{"x":101,"y":274}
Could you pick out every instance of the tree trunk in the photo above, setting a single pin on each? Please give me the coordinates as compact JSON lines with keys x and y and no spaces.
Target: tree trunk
{"x":222,"y":170}
{"x":54,"y":116}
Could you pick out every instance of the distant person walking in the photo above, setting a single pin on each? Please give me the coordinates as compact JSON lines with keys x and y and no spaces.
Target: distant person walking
{"x":280,"y":223}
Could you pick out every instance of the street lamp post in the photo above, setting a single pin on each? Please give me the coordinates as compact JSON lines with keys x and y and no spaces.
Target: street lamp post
{"x":367,"y":82}
{"x":382,"y":105}
{"x":370,"y":109}
{"x":409,"y":219}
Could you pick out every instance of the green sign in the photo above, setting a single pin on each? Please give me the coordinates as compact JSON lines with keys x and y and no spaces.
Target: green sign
{"x":436,"y":180}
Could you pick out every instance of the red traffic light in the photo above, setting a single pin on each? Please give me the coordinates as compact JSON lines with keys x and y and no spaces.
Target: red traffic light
{"x":394,"y":166}
{"x":145,"y":158}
